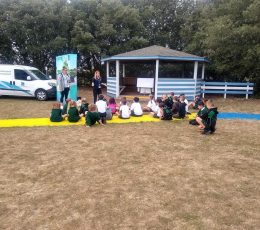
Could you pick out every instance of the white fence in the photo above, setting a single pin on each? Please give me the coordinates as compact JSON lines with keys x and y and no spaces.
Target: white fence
{"x":227,"y":88}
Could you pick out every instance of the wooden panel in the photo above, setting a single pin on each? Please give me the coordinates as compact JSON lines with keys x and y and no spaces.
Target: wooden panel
{"x":129,"y":81}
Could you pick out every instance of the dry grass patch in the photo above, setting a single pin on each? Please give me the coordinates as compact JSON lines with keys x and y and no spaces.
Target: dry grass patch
{"x":130,"y":176}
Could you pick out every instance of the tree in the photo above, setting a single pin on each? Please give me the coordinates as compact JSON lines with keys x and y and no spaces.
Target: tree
{"x":228,"y":32}
{"x":163,"y":20}
{"x":35,"y":31}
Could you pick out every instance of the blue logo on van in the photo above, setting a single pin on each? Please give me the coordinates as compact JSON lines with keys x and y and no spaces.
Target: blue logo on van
{"x":7,"y":86}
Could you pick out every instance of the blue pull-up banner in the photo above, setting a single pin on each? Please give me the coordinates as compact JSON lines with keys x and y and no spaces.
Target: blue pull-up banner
{"x":70,"y":62}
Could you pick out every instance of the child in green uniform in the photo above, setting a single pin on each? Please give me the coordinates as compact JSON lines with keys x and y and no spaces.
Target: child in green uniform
{"x":166,"y":112}
{"x":168,"y":101}
{"x":65,"y":107}
{"x":56,"y":113}
{"x":211,"y":119}
{"x":73,"y":113}
{"x":202,"y":113}
{"x":83,"y":107}
{"x":92,"y":116}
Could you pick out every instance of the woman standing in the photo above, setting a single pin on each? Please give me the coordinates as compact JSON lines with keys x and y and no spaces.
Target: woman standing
{"x":96,"y":84}
{"x":63,"y":84}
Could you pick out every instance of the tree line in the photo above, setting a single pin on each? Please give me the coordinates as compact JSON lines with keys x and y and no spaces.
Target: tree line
{"x":34,"y":32}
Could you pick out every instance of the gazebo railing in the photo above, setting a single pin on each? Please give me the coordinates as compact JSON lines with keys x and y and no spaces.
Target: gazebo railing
{"x":190,"y":87}
{"x":111,"y":86}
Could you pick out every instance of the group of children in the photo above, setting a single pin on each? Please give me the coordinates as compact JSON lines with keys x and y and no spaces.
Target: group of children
{"x":164,"y":108}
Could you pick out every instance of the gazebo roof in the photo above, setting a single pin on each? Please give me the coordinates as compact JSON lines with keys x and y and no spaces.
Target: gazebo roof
{"x":156,"y":53}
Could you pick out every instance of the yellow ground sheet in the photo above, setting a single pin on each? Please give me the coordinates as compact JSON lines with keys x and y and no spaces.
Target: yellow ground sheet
{"x":30,"y":122}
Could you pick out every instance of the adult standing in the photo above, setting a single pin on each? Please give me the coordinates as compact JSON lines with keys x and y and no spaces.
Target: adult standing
{"x":63,"y":84}
{"x":96,"y":84}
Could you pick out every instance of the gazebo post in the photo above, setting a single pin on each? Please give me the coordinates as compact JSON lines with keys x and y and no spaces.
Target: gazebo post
{"x":123,"y":70}
{"x":203,"y":72}
{"x":156,"y":77}
{"x":107,"y":69}
{"x":195,"y":75}
{"x":117,"y":78}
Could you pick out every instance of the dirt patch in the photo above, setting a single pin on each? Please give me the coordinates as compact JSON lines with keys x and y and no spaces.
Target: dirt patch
{"x":130,"y":176}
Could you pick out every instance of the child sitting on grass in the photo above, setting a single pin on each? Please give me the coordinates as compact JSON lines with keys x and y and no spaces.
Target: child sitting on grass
{"x":92,"y":116}
{"x":83,"y":107}
{"x":165,"y":112}
{"x":195,"y":104}
{"x":167,"y":101}
{"x":151,"y":106}
{"x":65,"y":107}
{"x":124,"y":111}
{"x":56,"y":113}
{"x":176,"y":105}
{"x":79,"y":102}
{"x":202,"y":113}
{"x":101,"y":108}
{"x":211,"y":119}
{"x":183,"y":98}
{"x":73,"y":113}
{"x":112,"y":105}
{"x":136,"y":109}
{"x":157,"y":111}
{"x":182,"y":108}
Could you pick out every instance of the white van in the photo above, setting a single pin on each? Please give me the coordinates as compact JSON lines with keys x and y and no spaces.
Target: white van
{"x":20,"y":80}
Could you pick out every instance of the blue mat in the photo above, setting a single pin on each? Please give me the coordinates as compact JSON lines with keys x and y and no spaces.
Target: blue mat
{"x":249,"y":116}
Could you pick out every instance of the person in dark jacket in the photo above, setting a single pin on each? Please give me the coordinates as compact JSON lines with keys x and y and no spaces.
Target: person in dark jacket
{"x":96,"y":84}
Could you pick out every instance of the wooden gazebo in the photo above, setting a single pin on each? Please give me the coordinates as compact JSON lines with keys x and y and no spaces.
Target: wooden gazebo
{"x":181,"y":81}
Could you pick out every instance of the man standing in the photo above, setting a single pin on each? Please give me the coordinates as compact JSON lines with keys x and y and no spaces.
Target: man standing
{"x":63,"y":84}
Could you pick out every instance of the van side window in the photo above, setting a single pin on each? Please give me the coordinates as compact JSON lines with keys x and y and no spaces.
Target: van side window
{"x":20,"y":75}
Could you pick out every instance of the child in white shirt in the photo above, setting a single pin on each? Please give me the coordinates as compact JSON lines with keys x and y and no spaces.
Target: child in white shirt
{"x":124,"y":112}
{"x":101,"y":108}
{"x":186,"y":102}
{"x":151,"y":106}
{"x":157,"y":111}
{"x":136,"y":109}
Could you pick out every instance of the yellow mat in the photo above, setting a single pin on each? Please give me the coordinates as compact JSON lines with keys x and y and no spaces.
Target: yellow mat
{"x":30,"y":122}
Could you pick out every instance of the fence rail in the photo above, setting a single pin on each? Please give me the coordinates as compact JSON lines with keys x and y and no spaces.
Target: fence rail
{"x":227,"y":88}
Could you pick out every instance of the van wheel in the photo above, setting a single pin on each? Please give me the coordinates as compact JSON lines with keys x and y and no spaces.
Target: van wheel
{"x":41,"y":95}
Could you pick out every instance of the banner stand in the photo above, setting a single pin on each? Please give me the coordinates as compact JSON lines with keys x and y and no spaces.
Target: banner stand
{"x":69,"y":61}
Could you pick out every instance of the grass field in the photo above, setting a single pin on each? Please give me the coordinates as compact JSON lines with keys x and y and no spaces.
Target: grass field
{"x":129,"y":176}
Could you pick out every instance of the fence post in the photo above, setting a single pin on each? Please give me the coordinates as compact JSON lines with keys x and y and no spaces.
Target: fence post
{"x":203,"y":89}
{"x":225,"y":94}
{"x":247,"y":89}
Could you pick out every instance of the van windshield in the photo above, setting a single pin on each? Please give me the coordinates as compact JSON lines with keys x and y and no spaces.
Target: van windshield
{"x":39,"y":75}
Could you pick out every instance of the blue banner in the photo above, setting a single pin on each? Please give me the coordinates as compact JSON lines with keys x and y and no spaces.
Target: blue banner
{"x":70,"y":62}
